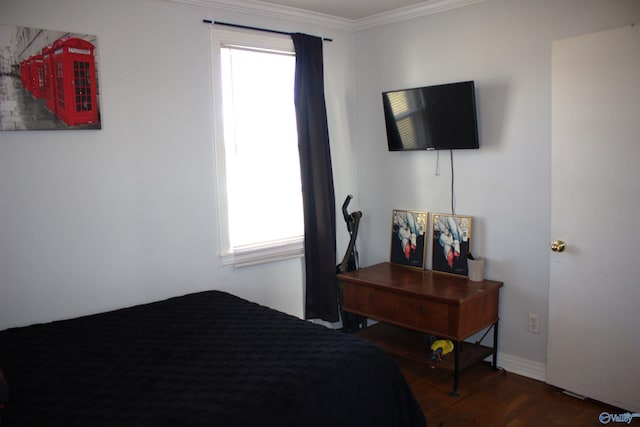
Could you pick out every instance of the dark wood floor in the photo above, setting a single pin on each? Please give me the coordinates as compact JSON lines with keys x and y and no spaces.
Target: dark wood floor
{"x":494,"y":398}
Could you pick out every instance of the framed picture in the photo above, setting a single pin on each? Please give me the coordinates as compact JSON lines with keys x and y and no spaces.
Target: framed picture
{"x":451,"y":242}
{"x":408,"y":235}
{"x":51,"y":80}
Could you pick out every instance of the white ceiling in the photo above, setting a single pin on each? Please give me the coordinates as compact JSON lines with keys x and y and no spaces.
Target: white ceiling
{"x":349,"y":9}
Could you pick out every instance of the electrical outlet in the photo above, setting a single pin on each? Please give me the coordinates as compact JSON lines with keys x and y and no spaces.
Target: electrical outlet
{"x":534,"y":323}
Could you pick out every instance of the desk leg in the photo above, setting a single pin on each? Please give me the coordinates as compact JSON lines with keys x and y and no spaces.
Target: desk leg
{"x":494,"y":365}
{"x":456,"y":369}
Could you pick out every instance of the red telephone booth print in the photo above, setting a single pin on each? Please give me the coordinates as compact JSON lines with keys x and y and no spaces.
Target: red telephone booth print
{"x":28,"y":74}
{"x":75,"y":81}
{"x":23,"y":73}
{"x":37,"y":76}
{"x":49,"y":79}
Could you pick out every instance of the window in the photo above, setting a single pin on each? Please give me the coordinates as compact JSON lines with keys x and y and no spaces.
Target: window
{"x":257,"y":161}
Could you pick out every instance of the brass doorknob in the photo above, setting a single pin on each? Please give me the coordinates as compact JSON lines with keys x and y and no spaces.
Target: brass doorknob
{"x":558,"y":246}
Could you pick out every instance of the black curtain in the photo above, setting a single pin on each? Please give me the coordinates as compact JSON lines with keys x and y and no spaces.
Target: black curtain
{"x":317,"y":180}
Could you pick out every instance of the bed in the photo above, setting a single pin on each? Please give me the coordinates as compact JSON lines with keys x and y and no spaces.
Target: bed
{"x":203,"y":359}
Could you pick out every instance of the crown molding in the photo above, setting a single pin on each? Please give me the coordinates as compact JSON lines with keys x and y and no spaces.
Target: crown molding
{"x":428,"y":7}
{"x":275,"y":11}
{"x":262,"y":8}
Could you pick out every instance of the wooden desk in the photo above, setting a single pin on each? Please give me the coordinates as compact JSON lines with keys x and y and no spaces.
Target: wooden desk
{"x":411,"y":303}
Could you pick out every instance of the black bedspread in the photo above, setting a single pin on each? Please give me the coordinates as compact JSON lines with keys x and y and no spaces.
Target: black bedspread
{"x":204,"y":359}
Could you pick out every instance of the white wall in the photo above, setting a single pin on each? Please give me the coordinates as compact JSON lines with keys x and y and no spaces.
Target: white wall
{"x":505,"y":46}
{"x":96,"y":220}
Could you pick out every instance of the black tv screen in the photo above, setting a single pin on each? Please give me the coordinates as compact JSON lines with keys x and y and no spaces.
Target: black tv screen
{"x":440,"y":117}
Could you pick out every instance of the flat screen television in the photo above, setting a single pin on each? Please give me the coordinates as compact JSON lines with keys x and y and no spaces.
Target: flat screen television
{"x":440,"y":117}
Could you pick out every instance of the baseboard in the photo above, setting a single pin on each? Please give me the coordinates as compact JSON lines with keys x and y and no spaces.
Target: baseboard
{"x":525,"y":367}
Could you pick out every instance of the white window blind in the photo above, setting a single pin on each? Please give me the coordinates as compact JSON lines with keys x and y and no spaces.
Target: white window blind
{"x":261,"y":213}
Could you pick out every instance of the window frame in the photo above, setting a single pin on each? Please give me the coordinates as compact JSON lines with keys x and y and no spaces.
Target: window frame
{"x":257,"y":253}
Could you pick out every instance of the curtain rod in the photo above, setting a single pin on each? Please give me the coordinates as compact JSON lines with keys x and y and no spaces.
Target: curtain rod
{"x":246,"y":27}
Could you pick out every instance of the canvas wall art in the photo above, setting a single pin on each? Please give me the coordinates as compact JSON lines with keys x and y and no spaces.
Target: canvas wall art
{"x":48,"y":80}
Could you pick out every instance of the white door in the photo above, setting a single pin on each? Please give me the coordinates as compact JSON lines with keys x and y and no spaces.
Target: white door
{"x":594,"y":298}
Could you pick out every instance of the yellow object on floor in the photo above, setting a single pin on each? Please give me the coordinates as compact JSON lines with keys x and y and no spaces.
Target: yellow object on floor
{"x":445,"y":345}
